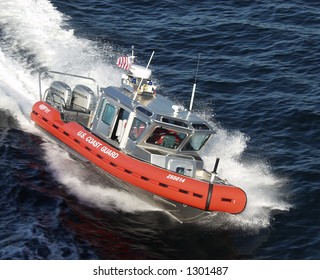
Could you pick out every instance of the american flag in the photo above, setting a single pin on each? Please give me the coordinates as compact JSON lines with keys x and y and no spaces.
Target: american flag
{"x":124,"y":62}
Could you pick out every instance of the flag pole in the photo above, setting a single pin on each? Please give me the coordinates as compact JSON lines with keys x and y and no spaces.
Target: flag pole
{"x":194,"y":85}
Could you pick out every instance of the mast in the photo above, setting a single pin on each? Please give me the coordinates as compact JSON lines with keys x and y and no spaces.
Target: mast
{"x":194,"y":85}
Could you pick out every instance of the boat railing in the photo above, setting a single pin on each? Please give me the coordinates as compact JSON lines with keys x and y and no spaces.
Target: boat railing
{"x":46,"y":71}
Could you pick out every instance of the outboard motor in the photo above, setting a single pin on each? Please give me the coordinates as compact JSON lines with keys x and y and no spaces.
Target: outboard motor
{"x":83,"y":99}
{"x":59,"y":94}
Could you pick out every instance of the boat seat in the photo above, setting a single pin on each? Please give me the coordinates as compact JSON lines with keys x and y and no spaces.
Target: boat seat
{"x":169,"y":141}
{"x":83,"y":99}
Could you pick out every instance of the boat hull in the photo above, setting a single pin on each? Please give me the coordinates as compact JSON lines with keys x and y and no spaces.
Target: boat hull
{"x":158,"y":181}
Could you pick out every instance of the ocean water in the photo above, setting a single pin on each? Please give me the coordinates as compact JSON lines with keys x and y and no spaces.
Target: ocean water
{"x":258,"y":85}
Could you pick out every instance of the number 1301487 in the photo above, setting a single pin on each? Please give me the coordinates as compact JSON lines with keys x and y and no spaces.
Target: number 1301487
{"x":198,"y":270}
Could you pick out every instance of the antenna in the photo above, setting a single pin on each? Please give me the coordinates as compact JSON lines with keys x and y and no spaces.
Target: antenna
{"x":146,"y":68}
{"x":150,"y":60}
{"x":132,"y":54}
{"x":195,"y":84}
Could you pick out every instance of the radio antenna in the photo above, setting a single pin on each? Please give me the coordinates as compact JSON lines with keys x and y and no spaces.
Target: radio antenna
{"x":132,"y":54}
{"x":195,"y":84}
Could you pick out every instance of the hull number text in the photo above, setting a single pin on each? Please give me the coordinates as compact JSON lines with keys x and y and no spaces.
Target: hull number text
{"x":176,"y":178}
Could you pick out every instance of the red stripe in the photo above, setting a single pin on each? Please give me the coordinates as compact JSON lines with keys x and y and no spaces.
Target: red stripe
{"x":123,"y":62}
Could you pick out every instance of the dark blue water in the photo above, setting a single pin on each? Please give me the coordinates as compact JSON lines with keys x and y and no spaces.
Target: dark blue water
{"x":258,"y":84}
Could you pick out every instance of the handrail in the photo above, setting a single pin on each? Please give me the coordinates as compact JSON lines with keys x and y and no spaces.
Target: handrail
{"x":65,"y":74}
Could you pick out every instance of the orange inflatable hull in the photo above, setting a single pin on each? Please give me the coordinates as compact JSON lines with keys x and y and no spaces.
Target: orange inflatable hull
{"x":156,"y":180}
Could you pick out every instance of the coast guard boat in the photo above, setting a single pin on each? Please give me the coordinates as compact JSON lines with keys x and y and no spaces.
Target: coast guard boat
{"x":138,"y":136}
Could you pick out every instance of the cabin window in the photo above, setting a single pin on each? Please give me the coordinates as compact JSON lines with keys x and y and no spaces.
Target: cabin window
{"x":167,"y":138}
{"x":137,"y":128}
{"x":174,"y":121}
{"x":200,"y":126}
{"x":196,"y":142}
{"x":144,"y":111}
{"x":108,"y":114}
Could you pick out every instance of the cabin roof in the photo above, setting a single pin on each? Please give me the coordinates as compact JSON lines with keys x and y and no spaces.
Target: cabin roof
{"x":159,"y":105}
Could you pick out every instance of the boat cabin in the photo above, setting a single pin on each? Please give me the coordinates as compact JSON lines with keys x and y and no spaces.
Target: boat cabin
{"x":138,"y":121}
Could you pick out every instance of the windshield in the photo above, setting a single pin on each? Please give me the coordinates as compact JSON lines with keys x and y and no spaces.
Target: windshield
{"x":196,"y":142}
{"x":167,"y":138}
